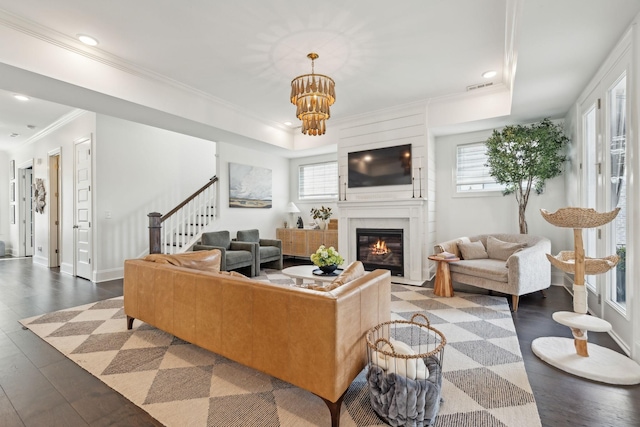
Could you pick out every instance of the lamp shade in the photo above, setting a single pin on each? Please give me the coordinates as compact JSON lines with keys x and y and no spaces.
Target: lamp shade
{"x":292,"y":208}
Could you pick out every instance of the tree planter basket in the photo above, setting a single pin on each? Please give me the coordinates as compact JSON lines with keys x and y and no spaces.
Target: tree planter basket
{"x":400,"y":392}
{"x":579,"y":217}
{"x":565,"y":261}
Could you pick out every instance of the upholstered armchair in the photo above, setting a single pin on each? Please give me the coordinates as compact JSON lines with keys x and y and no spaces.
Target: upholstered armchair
{"x":234,"y":254}
{"x":269,"y":250}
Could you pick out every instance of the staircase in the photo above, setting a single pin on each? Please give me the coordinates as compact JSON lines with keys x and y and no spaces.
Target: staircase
{"x":181,"y":228}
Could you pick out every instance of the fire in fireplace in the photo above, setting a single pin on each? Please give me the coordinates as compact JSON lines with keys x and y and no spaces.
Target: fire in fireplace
{"x":381,"y":248}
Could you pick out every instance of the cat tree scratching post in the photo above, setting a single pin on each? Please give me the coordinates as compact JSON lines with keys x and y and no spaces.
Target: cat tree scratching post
{"x":574,"y":356}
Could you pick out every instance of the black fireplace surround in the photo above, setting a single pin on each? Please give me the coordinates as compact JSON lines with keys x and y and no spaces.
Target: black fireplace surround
{"x":381,"y":248}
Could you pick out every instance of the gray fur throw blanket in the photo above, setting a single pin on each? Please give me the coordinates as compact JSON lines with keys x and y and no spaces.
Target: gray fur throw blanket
{"x":401,"y":401}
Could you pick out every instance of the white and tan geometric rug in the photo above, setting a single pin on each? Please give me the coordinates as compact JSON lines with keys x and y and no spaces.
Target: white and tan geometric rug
{"x":484,"y":380}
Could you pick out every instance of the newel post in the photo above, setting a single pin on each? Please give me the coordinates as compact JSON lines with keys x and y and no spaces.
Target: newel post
{"x":155,"y":228}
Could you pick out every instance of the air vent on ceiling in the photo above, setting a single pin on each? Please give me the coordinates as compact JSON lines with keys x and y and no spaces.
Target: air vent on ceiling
{"x":479,"y":86}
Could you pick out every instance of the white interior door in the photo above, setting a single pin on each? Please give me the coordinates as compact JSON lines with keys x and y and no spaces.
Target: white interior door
{"x":83,"y":249}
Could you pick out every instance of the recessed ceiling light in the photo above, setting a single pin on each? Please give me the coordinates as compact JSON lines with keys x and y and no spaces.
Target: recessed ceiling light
{"x":31,"y":126}
{"x":489,"y":74}
{"x":288,"y":123}
{"x":21,"y":97}
{"x":13,"y":134}
{"x":88,"y":40}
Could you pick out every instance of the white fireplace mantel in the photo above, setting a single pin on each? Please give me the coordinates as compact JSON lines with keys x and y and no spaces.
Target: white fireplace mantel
{"x":410,"y":215}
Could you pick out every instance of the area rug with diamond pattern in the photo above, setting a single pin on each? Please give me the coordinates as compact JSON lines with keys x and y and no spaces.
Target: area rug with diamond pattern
{"x":179,"y":384}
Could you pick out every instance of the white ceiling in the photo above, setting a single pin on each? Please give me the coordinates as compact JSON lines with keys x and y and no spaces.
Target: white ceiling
{"x":380,"y":53}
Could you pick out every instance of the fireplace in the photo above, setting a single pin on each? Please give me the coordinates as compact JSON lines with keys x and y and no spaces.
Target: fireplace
{"x":381,"y":248}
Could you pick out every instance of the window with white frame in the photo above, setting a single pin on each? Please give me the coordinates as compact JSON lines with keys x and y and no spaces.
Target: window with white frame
{"x":471,"y":173}
{"x":318,"y":181}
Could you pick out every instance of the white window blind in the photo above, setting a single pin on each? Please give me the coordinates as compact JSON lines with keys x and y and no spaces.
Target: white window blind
{"x":318,"y":181}
{"x":471,"y":172}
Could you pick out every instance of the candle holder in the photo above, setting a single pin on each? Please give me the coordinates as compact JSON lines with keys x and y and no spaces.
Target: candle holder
{"x":420,"y":180}
{"x":413,"y":188}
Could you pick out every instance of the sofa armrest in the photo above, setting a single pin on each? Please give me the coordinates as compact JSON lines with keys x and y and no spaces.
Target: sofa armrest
{"x":244,"y":246}
{"x":529,"y":269}
{"x":271,"y":242}
{"x":450,"y":246}
{"x":223,"y":253}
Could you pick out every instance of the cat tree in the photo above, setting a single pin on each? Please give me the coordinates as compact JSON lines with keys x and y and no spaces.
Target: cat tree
{"x":575,"y":356}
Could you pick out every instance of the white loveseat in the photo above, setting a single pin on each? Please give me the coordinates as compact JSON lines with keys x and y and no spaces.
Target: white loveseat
{"x":526,"y":270}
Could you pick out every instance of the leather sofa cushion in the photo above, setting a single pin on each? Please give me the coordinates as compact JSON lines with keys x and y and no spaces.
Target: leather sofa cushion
{"x":199,"y":260}
{"x":497,"y":249}
{"x":491,"y":269}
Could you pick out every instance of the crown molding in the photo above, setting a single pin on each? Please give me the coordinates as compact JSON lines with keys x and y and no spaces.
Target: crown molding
{"x":69,"y":117}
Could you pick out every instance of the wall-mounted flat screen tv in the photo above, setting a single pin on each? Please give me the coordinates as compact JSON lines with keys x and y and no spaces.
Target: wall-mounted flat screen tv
{"x":381,"y":166}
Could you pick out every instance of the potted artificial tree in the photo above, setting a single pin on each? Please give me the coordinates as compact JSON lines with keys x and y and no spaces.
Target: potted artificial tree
{"x":524,"y":157}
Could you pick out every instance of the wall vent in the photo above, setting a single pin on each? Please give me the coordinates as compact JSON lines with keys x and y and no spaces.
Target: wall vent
{"x":479,"y":86}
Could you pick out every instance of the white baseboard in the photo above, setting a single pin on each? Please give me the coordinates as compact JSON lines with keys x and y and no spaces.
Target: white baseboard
{"x":66,"y":268}
{"x":111,"y":274}
{"x":40,"y":260}
{"x":557,"y":278}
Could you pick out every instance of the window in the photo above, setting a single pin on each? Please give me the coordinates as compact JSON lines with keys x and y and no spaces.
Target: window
{"x":471,"y":173}
{"x":318,"y":181}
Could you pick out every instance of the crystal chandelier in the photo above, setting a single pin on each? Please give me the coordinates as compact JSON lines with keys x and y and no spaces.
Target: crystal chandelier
{"x":313,"y":94}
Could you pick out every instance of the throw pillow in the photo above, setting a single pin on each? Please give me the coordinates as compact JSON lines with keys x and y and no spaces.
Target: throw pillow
{"x":497,"y":249}
{"x":352,"y":272}
{"x":198,"y":260}
{"x":413,"y":368}
{"x":472,"y":250}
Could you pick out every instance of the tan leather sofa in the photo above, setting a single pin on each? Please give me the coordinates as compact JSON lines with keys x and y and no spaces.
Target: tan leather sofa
{"x":309,"y":338}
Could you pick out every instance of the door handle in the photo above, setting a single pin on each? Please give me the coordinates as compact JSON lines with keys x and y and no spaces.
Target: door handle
{"x":75,"y":226}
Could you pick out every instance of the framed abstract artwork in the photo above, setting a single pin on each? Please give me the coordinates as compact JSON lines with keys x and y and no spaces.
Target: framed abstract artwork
{"x":249,"y":187}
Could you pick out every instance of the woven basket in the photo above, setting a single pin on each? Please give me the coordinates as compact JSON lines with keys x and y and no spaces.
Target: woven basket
{"x":565,"y":261}
{"x":395,"y":395}
{"x":579,"y":217}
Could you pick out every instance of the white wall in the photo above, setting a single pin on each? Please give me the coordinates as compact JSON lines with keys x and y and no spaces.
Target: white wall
{"x":467,"y":215}
{"x":4,"y":200}
{"x":140,"y":169}
{"x":265,"y":220}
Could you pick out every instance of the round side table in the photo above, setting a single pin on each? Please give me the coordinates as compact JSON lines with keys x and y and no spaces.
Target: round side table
{"x":443,"y":286}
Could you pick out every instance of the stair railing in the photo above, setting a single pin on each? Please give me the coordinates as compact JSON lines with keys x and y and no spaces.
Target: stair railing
{"x":184,"y":223}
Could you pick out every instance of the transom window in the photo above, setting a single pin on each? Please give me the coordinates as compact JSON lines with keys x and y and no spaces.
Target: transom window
{"x":318,"y":181}
{"x":471,"y":173}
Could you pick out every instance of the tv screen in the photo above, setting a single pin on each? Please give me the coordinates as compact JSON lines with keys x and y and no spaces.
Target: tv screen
{"x":381,"y":166}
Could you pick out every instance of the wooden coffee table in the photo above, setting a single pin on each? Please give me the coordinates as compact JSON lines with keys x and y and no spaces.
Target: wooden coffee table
{"x":443,"y":286}
{"x":301,"y":272}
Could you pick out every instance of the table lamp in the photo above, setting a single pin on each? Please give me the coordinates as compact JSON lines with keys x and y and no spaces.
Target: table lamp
{"x":292,"y":209}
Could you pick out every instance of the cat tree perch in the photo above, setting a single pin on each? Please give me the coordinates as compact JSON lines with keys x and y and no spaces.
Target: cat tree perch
{"x":576,"y":357}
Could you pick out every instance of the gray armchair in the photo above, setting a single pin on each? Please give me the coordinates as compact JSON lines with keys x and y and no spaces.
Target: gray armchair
{"x":269,"y":250}
{"x":234,"y":254}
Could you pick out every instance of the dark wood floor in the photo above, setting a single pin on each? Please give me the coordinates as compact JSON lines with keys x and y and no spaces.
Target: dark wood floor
{"x":40,"y":387}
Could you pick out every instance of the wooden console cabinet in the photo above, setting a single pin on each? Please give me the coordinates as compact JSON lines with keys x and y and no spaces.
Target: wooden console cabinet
{"x":302,"y":243}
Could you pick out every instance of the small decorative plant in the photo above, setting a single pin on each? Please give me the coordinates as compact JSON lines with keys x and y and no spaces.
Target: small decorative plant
{"x":322,"y":213}
{"x":326,"y":257}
